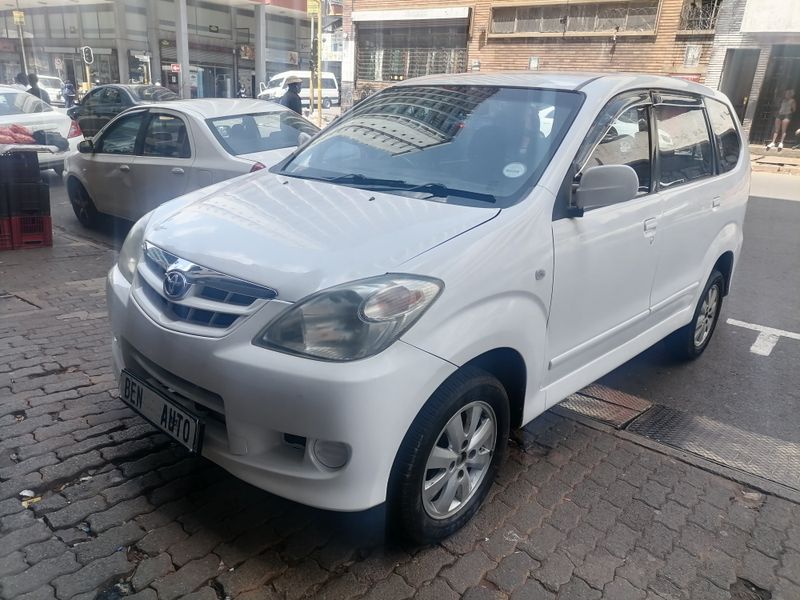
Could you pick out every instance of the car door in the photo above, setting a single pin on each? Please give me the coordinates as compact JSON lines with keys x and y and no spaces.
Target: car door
{"x":691,"y":194}
{"x":107,"y":172}
{"x":605,"y":260}
{"x":163,"y":167}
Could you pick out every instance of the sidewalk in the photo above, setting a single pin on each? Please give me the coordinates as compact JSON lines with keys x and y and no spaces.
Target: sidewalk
{"x":771,"y":161}
{"x":118,"y":511}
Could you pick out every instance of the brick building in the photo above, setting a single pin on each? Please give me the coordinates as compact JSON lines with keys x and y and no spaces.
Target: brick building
{"x":389,"y":40}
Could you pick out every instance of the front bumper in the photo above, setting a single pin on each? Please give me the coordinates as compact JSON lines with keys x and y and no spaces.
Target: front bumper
{"x":252,"y":398}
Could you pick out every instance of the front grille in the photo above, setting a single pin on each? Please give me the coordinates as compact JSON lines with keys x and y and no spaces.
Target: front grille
{"x":209,"y":302}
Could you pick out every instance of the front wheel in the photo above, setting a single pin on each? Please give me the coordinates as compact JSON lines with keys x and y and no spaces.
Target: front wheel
{"x":690,"y":341}
{"x":326,"y":103}
{"x":449,"y":457}
{"x":82,"y":204}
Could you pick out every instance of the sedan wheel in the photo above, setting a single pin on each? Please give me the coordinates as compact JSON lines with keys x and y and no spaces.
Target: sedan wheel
{"x":82,"y":204}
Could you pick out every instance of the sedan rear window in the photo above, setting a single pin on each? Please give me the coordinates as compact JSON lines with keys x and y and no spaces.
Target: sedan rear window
{"x":259,"y":132}
{"x":21,"y":103}
{"x":467,"y":144}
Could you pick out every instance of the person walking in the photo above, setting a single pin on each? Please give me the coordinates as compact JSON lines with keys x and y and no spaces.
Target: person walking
{"x":33,"y":79}
{"x":21,"y":81}
{"x":69,"y":94}
{"x":291,"y":99}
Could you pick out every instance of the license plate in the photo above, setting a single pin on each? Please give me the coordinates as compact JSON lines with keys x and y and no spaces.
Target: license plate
{"x":174,"y":420}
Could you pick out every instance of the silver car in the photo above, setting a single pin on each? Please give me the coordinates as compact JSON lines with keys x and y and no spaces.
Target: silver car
{"x":154,"y":153}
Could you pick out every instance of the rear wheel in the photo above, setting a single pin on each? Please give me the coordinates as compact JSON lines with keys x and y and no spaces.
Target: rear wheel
{"x":690,"y":341}
{"x":449,"y":457}
{"x":326,"y":103}
{"x":82,"y":204}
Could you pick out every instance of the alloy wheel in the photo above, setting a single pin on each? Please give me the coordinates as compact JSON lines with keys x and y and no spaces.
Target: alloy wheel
{"x":706,"y":317}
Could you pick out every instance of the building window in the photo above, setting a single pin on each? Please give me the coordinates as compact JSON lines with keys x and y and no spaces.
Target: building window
{"x":394,"y":54}
{"x":590,"y":17}
{"x":699,"y":15}
{"x":691,"y":57}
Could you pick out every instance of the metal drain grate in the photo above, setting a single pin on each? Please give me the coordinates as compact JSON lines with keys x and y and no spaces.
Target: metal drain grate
{"x":605,"y":404}
{"x":770,"y":458}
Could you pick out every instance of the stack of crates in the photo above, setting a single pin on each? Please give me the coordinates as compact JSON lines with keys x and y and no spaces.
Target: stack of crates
{"x":24,"y":203}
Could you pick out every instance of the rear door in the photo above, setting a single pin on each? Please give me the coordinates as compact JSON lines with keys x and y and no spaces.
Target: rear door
{"x":163,"y":166}
{"x":691,"y":192}
{"x":108,"y":172}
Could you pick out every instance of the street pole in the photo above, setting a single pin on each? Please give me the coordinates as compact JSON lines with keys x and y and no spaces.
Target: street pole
{"x":311,"y":80}
{"x":22,"y":49}
{"x":319,"y":64}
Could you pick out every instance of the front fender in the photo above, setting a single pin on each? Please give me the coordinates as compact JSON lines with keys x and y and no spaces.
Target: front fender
{"x":729,"y":239}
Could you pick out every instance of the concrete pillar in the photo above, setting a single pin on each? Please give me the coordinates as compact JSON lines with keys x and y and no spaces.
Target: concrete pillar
{"x":182,"y":46}
{"x":261,"y":46}
{"x":153,"y":41}
{"x":122,"y":42}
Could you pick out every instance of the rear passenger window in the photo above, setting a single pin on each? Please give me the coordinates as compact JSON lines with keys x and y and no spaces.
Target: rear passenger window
{"x":684,"y":147}
{"x":729,"y":147}
{"x":627,"y":142}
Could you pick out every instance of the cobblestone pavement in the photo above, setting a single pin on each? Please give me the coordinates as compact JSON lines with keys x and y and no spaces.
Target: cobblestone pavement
{"x":119,"y":511}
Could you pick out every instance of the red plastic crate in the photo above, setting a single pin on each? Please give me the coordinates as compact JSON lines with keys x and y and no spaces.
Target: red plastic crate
{"x":32,"y":231}
{"x":6,"y":234}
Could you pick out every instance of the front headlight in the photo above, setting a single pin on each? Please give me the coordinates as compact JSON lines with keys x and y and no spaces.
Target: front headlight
{"x":354,"y":320}
{"x":132,"y":249}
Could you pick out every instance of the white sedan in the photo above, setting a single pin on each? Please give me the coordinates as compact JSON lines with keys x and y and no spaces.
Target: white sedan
{"x":154,"y":153}
{"x":49,"y":126}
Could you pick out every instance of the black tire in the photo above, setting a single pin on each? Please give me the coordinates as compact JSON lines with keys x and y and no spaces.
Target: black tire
{"x":406,"y":511}
{"x":82,"y":204}
{"x":326,"y":103}
{"x":683,"y":343}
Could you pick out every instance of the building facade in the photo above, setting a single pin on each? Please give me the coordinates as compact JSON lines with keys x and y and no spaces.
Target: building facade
{"x":756,"y":58}
{"x":138,"y":41}
{"x":390,"y":40}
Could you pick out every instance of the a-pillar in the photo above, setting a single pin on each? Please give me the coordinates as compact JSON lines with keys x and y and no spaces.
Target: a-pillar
{"x":261,"y":46}
{"x":182,"y":47}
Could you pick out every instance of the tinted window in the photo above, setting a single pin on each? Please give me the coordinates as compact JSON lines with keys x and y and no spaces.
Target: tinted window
{"x":729,"y":146}
{"x":627,"y":142}
{"x":93,"y":99}
{"x":152,"y":93}
{"x":166,"y":136}
{"x":19,"y":103}
{"x":120,"y":138}
{"x":243,"y":134}
{"x":684,"y":147}
{"x":479,"y":145}
{"x":112,"y":96}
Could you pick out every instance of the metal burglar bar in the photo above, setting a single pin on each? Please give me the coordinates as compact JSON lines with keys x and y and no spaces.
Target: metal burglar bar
{"x":396,"y":64}
{"x":699,"y":15}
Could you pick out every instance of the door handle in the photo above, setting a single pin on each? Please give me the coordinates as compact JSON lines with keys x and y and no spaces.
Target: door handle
{"x":177,"y":171}
{"x":716,"y":202}
{"x":650,"y":225}
{"x":124,"y":168}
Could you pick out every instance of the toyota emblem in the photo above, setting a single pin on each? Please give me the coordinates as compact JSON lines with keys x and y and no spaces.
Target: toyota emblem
{"x":175,"y":285}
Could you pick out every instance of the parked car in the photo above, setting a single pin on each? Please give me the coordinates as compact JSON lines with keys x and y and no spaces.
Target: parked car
{"x":276,"y":88}
{"x":52,"y":85}
{"x":151,"y":154}
{"x":21,"y":108}
{"x":366,"y":321}
{"x":103,"y":103}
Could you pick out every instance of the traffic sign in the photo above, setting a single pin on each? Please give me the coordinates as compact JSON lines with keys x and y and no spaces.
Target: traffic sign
{"x":175,"y":67}
{"x":312,"y":6}
{"x":58,"y":62}
{"x":19,"y":17}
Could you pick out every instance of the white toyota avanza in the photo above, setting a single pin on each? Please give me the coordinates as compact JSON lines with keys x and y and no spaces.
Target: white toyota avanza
{"x":366,"y":321}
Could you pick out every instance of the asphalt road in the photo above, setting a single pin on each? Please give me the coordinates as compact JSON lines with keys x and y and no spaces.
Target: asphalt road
{"x":728,"y":383}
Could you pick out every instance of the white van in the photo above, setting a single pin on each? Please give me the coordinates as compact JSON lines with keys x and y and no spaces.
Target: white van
{"x":276,"y":88}
{"x":365,"y":321}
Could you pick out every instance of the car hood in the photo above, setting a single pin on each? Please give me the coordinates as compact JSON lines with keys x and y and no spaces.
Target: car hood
{"x":299,"y":236}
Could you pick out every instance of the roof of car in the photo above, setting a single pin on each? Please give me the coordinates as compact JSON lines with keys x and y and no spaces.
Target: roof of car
{"x":210,"y":108}
{"x":564,"y":80}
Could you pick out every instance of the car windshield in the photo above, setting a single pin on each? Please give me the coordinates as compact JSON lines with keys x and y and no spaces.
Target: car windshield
{"x":273,"y":83}
{"x":152,"y":93}
{"x":259,"y":132}
{"x":465,"y":144}
{"x":50,"y":82}
{"x":21,"y":103}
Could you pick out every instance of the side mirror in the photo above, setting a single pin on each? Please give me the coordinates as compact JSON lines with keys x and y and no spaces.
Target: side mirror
{"x":86,"y":147}
{"x":72,"y":112}
{"x":606,"y":185}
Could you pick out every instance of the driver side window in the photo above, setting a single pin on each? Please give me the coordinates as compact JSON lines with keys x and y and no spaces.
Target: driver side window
{"x":627,"y":142}
{"x":121,"y":136}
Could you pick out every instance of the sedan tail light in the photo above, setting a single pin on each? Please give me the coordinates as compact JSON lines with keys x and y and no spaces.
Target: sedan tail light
{"x":74,"y":129}
{"x":257,"y":167}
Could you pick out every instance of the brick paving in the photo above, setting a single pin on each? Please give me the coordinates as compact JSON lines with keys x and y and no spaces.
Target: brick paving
{"x":119,"y":511}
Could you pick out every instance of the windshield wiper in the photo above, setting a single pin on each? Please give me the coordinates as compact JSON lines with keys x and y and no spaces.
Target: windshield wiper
{"x":439,"y":190}
{"x":360,"y":180}
{"x":436,"y":190}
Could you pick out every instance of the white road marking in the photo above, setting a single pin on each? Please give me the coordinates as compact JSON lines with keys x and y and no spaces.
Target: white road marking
{"x":767,"y":336}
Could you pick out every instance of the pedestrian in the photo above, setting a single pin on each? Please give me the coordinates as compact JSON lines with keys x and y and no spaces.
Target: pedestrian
{"x":242,"y":91}
{"x":785,"y":111}
{"x":291,"y":99}
{"x":21,"y":81}
{"x":33,"y":79}
{"x":69,"y":94}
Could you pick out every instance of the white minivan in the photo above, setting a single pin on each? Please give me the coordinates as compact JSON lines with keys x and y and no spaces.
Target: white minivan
{"x":366,"y":321}
{"x":276,"y":88}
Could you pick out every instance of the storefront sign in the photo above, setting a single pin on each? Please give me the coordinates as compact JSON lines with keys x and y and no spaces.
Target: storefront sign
{"x":312,"y":6}
{"x":175,"y":68}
